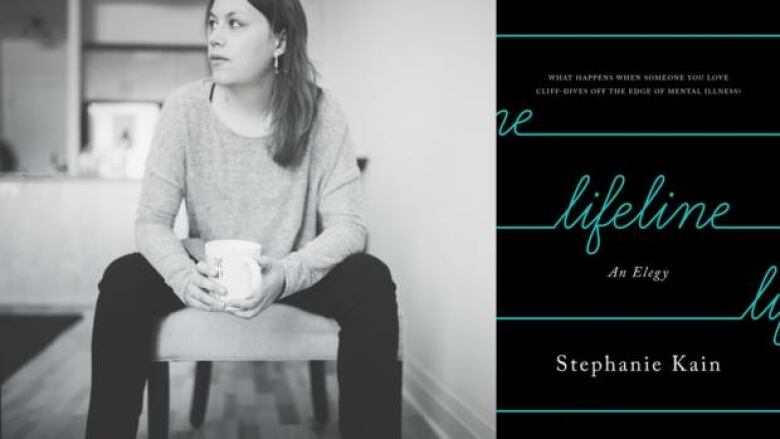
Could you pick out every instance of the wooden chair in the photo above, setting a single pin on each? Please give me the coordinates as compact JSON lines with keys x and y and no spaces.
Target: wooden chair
{"x":281,"y":333}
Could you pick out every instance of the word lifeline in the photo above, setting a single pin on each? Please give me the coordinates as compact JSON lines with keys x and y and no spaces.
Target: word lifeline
{"x":770,"y":308}
{"x":598,"y":212}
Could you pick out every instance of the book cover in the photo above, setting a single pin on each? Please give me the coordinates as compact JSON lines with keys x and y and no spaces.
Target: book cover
{"x":637,"y":222}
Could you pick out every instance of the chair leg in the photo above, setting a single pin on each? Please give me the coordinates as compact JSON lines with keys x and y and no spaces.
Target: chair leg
{"x":200,"y":395}
{"x":319,"y":391}
{"x":158,"y":400}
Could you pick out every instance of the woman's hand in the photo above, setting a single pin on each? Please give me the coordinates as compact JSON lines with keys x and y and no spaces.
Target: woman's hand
{"x":204,"y":293}
{"x":272,"y":287}
{"x":196,"y":247}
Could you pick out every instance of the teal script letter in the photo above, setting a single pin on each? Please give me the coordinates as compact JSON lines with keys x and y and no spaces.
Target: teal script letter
{"x":521,"y":118}
{"x":770,"y":309}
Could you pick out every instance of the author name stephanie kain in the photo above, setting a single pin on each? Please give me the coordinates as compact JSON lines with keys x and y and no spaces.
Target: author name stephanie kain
{"x":613,"y":365}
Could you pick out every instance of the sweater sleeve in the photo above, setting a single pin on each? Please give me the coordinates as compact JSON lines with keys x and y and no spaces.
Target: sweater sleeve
{"x":340,"y":214}
{"x":162,"y":192}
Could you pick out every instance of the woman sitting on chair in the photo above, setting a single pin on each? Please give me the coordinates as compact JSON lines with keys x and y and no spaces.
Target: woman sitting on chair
{"x":259,"y":152}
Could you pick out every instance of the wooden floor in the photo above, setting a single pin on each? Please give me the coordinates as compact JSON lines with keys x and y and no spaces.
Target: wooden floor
{"x":48,"y":398}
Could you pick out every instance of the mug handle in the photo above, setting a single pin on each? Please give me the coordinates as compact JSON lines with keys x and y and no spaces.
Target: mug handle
{"x":254,"y":272}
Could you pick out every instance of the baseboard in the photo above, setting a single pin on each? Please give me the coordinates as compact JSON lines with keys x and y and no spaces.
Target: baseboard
{"x":448,"y":416}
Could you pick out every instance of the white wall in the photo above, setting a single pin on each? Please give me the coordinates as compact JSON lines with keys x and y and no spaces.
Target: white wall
{"x":417,"y":80}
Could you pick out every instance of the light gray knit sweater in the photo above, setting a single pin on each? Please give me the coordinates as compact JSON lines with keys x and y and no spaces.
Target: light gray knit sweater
{"x":309,"y":217}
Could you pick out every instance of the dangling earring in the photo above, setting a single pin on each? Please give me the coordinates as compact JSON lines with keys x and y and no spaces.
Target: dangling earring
{"x":276,"y":63}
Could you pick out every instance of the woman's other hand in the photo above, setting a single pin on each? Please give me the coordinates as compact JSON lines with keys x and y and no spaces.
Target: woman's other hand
{"x":203,"y":292}
{"x":271,"y":288}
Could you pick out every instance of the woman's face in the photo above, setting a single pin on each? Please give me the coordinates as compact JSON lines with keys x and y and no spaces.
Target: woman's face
{"x":240,"y":43}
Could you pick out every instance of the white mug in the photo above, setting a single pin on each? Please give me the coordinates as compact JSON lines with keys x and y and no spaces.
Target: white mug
{"x":236,"y":265}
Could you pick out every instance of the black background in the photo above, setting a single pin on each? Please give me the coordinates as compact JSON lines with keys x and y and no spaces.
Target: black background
{"x":543,"y":273}
{"x":636,"y":17}
{"x":745,"y":61}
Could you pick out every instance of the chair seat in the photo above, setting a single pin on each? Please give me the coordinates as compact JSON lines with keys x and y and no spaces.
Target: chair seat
{"x":281,"y":332}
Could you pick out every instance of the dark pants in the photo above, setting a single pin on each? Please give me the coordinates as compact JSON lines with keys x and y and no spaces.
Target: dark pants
{"x":359,"y":294}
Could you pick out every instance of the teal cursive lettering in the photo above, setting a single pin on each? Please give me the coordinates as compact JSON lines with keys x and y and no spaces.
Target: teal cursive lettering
{"x":589,"y":217}
{"x":769,"y":310}
{"x":521,"y":118}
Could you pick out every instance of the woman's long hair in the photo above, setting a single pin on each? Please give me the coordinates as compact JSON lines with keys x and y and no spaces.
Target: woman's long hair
{"x":295,"y":94}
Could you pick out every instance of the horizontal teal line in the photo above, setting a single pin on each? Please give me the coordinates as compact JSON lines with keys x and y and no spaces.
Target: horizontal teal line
{"x":618,"y":318}
{"x":746,"y":227}
{"x":639,"y":411}
{"x":648,"y":36}
{"x":646,"y":134}
{"x":716,"y":227}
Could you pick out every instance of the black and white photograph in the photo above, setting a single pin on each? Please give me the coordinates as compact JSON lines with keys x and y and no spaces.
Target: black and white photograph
{"x":248,"y":219}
